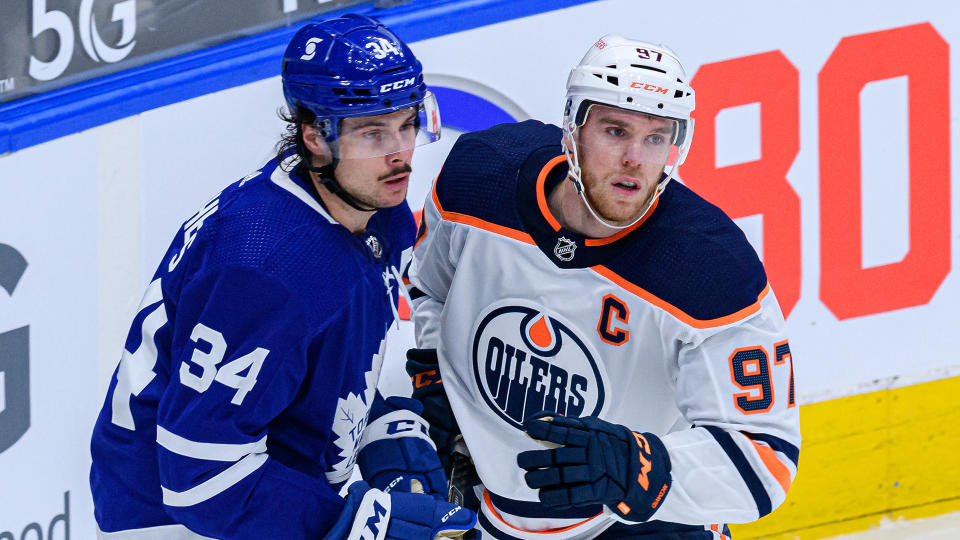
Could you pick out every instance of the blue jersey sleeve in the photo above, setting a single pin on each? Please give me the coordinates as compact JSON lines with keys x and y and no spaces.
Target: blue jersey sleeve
{"x":239,"y":356}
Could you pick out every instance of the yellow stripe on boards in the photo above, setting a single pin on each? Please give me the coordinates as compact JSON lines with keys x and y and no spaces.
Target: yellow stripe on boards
{"x":891,"y":454}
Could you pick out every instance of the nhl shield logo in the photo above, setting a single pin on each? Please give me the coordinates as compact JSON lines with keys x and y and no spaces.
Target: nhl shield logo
{"x":527,"y":360}
{"x":564,"y":249}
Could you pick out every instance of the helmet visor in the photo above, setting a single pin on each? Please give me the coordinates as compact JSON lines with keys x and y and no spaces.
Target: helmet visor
{"x":380,"y":135}
{"x":642,"y":145}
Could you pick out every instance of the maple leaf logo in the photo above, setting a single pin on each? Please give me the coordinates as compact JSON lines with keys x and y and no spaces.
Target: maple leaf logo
{"x":350,"y":420}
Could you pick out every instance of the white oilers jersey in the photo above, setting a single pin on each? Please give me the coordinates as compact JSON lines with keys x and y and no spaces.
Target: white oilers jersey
{"x":668,"y":327}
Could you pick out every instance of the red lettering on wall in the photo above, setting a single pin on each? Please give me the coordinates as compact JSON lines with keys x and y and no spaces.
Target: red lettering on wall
{"x":756,"y":187}
{"x":921,"y":54}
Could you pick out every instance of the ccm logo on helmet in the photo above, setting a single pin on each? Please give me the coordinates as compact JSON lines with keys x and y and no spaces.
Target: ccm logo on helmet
{"x":526,"y":361}
{"x":649,"y":87}
{"x":397,"y":85}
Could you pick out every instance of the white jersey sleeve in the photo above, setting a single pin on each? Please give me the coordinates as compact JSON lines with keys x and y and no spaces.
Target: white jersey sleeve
{"x":735,"y":385}
{"x":431,"y":271}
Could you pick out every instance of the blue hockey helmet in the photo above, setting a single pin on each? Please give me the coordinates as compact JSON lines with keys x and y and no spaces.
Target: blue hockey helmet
{"x":355,"y":66}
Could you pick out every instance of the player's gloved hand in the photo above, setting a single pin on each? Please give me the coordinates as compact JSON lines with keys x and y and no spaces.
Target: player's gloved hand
{"x":597,"y":463}
{"x":371,"y":514}
{"x":396,"y":453}
{"x":424,"y":371}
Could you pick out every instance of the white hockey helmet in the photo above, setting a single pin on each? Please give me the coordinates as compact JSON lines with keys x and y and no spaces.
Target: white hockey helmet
{"x":636,"y":76}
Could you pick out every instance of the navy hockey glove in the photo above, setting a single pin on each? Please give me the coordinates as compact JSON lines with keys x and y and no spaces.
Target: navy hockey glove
{"x":597,"y":463}
{"x":463,"y":477}
{"x":371,"y":514}
{"x":424,"y":371}
{"x":396,"y":453}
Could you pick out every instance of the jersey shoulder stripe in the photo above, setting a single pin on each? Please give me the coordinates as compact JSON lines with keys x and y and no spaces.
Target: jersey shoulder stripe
{"x":678,"y":312}
{"x":479,"y":176}
{"x":692,"y":260}
{"x":470,"y":220}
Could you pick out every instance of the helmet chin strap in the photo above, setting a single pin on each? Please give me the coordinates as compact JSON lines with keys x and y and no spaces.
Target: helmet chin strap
{"x":328,"y":180}
{"x":574,"y":175}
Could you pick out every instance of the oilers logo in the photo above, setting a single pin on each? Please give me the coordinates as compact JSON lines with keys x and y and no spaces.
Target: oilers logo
{"x":526,"y":361}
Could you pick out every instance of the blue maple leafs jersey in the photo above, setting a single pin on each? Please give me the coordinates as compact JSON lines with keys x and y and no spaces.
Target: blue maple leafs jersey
{"x":248,"y":373}
{"x":668,"y":326}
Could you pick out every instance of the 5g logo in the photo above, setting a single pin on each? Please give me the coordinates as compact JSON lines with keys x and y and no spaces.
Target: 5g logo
{"x":14,"y":359}
{"x":124,"y":12}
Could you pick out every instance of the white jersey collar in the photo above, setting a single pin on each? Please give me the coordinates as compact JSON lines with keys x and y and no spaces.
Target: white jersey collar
{"x":281,"y":177}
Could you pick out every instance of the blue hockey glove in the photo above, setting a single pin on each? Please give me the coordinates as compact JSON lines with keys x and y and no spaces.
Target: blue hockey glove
{"x":424,"y":371}
{"x":371,"y":514}
{"x":597,"y":463}
{"x":396,"y":453}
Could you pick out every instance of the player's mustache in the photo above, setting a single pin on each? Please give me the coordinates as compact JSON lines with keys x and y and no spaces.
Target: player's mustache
{"x":633,"y":172}
{"x":399,"y":170}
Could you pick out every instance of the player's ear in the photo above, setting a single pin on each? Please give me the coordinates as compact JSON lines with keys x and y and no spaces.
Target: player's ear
{"x":316,"y":144}
{"x":571,"y":139}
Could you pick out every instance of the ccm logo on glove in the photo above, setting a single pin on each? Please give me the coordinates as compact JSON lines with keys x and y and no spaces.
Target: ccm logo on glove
{"x":596,"y":463}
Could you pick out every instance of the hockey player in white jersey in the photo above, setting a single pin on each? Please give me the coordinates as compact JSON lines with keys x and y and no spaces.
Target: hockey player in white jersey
{"x":609,"y":345}
{"x":246,"y":393}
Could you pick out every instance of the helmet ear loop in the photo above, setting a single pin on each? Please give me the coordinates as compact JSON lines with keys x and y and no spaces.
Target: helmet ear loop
{"x":323,"y":128}
{"x":570,"y":151}
{"x":683,"y":150}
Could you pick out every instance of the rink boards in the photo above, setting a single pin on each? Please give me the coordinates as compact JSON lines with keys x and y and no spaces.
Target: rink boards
{"x":826,"y":131}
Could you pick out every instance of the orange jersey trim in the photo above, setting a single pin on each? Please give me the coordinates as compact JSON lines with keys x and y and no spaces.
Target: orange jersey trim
{"x":487,"y":226}
{"x":486,"y":500}
{"x":716,"y":528}
{"x":677,"y":312}
{"x":552,"y":220}
{"x":426,"y":231}
{"x":465,"y":219}
{"x":613,"y":238}
{"x":423,"y":217}
{"x":773,"y":464}
{"x":433,"y":195}
{"x":541,"y":192}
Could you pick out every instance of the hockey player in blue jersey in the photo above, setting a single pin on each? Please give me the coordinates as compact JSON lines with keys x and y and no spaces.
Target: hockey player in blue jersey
{"x":609,"y":346}
{"x":246,"y":393}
